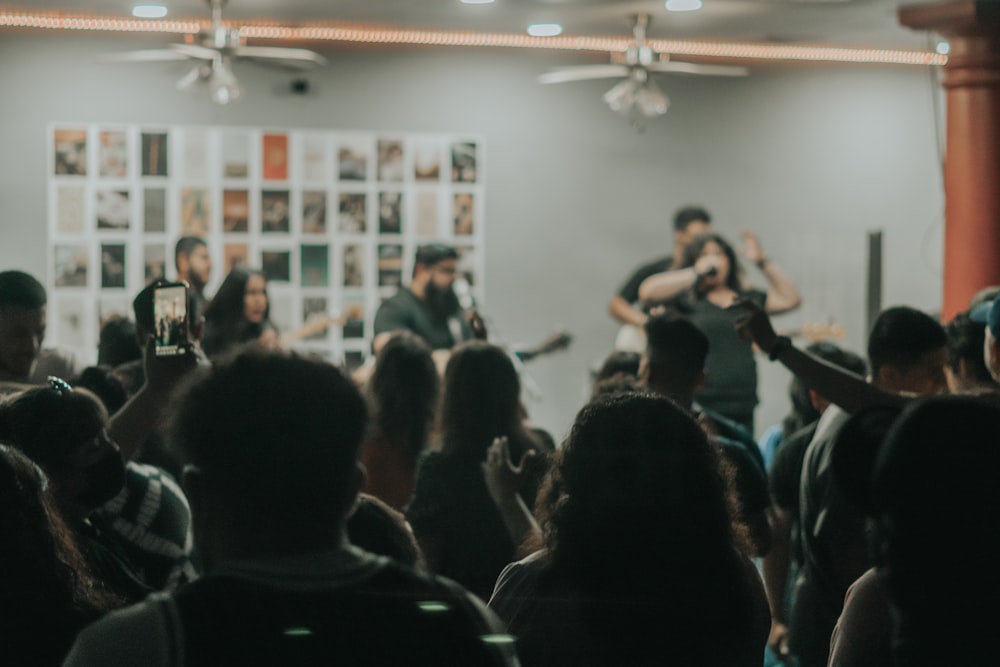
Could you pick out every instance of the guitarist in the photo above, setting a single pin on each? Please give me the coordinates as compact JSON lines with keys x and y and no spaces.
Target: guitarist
{"x":688,"y":223}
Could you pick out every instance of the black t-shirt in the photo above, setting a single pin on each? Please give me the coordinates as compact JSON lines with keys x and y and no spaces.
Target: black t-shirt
{"x":785,"y":480}
{"x":731,"y":372}
{"x":630,"y":290}
{"x":405,"y":310}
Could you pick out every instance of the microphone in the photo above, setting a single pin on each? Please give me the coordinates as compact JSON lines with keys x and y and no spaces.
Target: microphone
{"x":463,"y":291}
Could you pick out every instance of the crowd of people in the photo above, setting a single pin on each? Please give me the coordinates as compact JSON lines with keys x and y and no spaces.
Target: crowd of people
{"x":243,"y":503}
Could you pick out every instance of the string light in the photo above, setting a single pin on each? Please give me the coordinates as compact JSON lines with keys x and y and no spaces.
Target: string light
{"x":366,"y":34}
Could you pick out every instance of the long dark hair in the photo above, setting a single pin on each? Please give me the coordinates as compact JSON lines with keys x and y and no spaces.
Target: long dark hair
{"x":403,"y":391}
{"x":734,"y":280}
{"x":635,"y":515}
{"x":225,"y":320}
{"x":482,"y":400}
{"x":45,"y":582}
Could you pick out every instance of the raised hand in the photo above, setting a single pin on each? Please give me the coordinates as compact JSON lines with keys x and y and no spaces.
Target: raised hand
{"x":753,"y":324}
{"x":503,"y":478}
{"x":751,"y":248}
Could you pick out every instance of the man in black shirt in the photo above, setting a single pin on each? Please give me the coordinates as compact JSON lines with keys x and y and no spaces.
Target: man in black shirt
{"x":688,"y":223}
{"x":429,"y":307}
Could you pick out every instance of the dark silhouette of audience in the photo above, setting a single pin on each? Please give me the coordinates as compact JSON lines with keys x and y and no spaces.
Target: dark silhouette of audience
{"x":47,"y":590}
{"x":271,"y":442}
{"x":640,"y":563}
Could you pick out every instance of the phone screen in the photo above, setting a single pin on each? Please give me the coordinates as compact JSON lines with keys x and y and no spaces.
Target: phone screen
{"x":170,"y":319}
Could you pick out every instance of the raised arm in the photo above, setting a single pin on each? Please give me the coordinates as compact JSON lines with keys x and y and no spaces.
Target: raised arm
{"x":665,"y":286}
{"x":137,"y":419}
{"x":851,"y":392}
{"x":624,"y":312}
{"x":503,"y":479}
{"x":782,"y":295}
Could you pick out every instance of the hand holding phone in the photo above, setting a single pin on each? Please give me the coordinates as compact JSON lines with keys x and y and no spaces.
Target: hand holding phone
{"x":170,"y":319}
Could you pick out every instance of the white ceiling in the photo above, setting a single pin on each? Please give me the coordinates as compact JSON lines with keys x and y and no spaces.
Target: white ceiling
{"x":850,"y":22}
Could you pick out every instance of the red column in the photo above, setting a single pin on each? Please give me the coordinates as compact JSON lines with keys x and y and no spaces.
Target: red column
{"x":972,"y":152}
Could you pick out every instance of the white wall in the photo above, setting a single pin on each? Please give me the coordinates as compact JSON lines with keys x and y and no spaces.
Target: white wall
{"x":810,"y":159}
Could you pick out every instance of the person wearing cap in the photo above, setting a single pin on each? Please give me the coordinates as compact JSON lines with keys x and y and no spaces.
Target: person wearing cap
{"x":429,"y":307}
{"x":988,"y":313}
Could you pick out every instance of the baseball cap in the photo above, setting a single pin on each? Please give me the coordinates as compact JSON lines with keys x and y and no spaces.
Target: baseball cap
{"x":988,"y":313}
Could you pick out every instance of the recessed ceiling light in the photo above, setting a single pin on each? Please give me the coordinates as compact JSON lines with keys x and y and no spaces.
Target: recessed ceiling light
{"x":683,"y":5}
{"x":149,"y":11}
{"x":544,"y":29}
{"x":477,"y":2}
{"x":944,"y":48}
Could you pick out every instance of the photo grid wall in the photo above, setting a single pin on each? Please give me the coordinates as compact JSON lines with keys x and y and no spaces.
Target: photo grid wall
{"x":332,"y":217}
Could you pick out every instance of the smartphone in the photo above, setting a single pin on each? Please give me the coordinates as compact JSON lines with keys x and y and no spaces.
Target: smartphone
{"x":170,"y":319}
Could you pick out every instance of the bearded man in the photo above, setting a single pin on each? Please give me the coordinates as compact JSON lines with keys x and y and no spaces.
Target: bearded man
{"x":429,"y":307}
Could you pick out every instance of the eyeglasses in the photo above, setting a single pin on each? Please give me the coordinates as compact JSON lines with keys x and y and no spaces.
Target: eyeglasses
{"x":61,"y":386}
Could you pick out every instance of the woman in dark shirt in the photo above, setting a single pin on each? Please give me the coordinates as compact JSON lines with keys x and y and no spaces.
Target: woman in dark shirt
{"x":708,"y":283}
{"x":459,"y":527}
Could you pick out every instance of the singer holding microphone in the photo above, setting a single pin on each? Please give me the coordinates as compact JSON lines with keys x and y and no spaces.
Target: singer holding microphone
{"x":708,"y":282}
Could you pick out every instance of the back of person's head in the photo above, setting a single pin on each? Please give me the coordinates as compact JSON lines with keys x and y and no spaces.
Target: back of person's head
{"x":273,"y":438}
{"x":676,"y":350}
{"x":481,"y":401}
{"x":379,"y":529}
{"x":430,"y":254}
{"x":933,"y":493}
{"x":403,"y":389}
{"x":902,"y":338}
{"x":45,"y":581}
{"x":117,"y":343}
{"x":21,"y":290}
{"x":685,"y":216}
{"x":49,"y":423}
{"x":619,"y":361}
{"x":966,"y":340}
{"x":803,"y":412}
{"x":634,"y":464}
{"x":185,"y":246}
{"x":615,"y":384}
{"x":105,"y":385}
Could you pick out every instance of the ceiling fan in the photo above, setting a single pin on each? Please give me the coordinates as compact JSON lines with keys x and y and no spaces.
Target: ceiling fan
{"x":214,"y":50}
{"x":638,"y":95}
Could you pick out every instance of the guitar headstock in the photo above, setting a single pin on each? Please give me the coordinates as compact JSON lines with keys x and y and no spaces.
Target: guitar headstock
{"x":816,"y":332}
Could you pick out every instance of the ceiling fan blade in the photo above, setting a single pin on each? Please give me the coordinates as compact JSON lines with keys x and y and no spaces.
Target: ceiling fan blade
{"x":195,"y":51}
{"x":583,"y":73}
{"x":300,"y":57}
{"x":142,"y":56}
{"x":694,"y":68}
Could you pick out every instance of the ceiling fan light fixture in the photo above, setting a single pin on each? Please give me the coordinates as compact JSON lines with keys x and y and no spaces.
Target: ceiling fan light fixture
{"x":621,"y":98}
{"x":223,"y":87}
{"x":198,"y":73}
{"x":683,"y":5}
{"x":650,"y":100}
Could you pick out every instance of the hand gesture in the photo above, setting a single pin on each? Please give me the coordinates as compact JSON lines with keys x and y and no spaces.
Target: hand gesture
{"x":751,"y":247}
{"x":503,"y":478}
{"x":778,"y":641}
{"x":753,"y":324}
